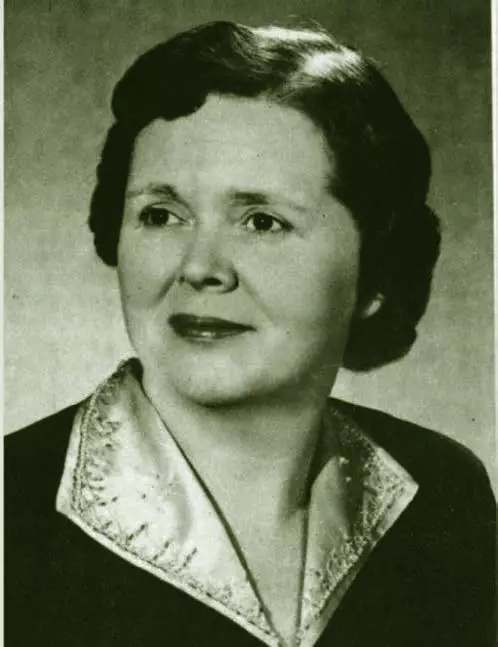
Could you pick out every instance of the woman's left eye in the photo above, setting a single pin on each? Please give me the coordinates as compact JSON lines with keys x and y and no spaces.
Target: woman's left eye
{"x":263,"y":223}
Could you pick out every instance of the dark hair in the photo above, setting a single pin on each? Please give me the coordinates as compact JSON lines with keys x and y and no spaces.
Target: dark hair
{"x":382,"y":163}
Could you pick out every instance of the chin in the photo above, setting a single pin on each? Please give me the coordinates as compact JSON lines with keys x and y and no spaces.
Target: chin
{"x":211,"y":390}
{"x":219,"y":388}
{"x":215,"y":399}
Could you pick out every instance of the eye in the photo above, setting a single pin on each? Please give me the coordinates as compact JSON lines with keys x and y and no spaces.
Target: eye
{"x":262,"y":223}
{"x":156,"y":216}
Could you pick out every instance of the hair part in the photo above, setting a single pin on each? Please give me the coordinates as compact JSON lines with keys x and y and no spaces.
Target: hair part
{"x":381,"y":161}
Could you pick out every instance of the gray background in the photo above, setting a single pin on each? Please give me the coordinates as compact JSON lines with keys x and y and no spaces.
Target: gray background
{"x":63,"y":330}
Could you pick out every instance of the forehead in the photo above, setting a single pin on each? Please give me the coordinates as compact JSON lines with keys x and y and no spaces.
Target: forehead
{"x":235,"y":141}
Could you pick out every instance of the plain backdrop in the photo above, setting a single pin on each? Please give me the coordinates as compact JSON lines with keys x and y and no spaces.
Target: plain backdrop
{"x":63,"y":328}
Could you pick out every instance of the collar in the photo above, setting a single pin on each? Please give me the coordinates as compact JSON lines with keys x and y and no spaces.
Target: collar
{"x":164,"y":522}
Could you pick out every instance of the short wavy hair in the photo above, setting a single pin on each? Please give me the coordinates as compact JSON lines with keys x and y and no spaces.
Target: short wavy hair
{"x":381,"y":161}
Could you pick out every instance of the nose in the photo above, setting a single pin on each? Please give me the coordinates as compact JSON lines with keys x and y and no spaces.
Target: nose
{"x":206,"y":265}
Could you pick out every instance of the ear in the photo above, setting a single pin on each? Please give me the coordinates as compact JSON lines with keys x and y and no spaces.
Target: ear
{"x":371,"y":307}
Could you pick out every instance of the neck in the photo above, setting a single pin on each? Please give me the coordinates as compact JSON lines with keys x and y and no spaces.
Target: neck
{"x":250,"y":455}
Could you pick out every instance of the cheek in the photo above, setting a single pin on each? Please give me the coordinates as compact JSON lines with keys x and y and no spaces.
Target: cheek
{"x":145,"y":272}
{"x":309,"y":288}
{"x":326,"y":299}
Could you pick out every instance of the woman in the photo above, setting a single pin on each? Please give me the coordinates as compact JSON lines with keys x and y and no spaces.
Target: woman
{"x":262,"y":193}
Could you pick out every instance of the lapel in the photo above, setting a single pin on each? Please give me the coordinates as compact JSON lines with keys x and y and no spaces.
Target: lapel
{"x":164,"y":522}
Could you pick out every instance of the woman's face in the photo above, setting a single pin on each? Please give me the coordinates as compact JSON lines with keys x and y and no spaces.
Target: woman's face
{"x":237,"y":268}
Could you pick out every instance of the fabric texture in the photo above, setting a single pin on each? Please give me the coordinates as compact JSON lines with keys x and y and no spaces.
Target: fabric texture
{"x":429,"y":580}
{"x":164,"y":522}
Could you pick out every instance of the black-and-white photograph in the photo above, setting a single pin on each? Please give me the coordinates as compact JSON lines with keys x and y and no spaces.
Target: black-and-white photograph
{"x":249,"y":324}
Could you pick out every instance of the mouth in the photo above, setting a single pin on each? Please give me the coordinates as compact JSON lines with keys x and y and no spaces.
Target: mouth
{"x":205,"y":329}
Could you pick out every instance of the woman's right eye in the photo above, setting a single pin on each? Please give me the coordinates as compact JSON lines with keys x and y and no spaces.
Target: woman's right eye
{"x":155,"y":216}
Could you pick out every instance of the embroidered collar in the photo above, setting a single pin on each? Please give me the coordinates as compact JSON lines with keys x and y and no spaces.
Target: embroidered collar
{"x":164,"y":522}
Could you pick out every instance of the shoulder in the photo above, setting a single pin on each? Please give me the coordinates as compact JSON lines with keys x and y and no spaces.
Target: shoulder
{"x":441,"y":466}
{"x":34,"y":459}
{"x":443,"y":546}
{"x":423,"y":452}
{"x":41,"y":438}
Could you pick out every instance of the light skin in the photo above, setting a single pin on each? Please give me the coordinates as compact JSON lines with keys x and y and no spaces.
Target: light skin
{"x":228,"y":214}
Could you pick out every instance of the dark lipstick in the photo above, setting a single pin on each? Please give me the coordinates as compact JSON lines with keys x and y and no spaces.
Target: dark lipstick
{"x":198,"y":328}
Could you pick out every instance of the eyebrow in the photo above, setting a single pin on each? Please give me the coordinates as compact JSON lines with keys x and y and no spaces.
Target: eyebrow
{"x":248,"y":198}
{"x":161,"y":190}
{"x":236,"y":197}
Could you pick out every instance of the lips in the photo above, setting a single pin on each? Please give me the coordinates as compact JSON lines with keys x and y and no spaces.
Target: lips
{"x":196,"y":328}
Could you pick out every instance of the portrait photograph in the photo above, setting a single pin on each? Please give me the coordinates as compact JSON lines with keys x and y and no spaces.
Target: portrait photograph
{"x":249,"y":334}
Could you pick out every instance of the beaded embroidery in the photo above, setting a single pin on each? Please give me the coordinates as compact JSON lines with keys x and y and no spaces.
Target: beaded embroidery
{"x":164,"y":522}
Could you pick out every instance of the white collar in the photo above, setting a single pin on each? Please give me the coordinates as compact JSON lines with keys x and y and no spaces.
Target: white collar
{"x":165,"y":523}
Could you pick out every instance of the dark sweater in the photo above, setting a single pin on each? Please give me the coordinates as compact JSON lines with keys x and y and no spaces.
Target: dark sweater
{"x":430,"y":581}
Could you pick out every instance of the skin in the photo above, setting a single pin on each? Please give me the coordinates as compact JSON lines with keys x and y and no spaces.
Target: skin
{"x":201,"y":253}
{"x":227,"y":214}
